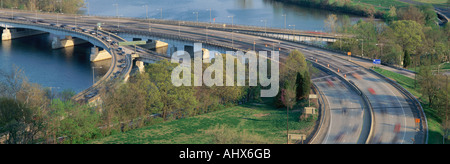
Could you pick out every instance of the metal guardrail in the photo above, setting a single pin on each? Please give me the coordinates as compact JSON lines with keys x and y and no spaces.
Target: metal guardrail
{"x":418,"y":113}
{"x":365,"y":99}
{"x":79,"y":96}
{"x":323,"y":116}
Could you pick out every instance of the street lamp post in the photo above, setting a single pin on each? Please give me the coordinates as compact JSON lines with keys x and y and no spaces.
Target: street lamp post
{"x":232,"y":30}
{"x":117,"y":14}
{"x":93,"y":74}
{"x":196,"y":12}
{"x":210,"y":15}
{"x":293,"y":35}
{"x":284,"y":21}
{"x":146,"y":9}
{"x":161,"y":12}
{"x":87,"y":6}
{"x":265,"y":26}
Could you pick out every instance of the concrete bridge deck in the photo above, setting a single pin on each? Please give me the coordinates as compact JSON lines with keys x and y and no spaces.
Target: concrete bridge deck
{"x":90,"y":94}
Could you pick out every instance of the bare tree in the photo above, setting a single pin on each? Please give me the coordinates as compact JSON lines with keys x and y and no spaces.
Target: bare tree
{"x":331,"y":23}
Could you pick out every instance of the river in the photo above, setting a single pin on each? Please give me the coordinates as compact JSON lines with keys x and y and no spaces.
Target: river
{"x":70,"y":68}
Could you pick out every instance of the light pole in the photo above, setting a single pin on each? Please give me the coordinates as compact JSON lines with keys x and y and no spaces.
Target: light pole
{"x":210,"y":15}
{"x":232,"y":30}
{"x":381,"y":49}
{"x":87,"y":7}
{"x":362,"y":47}
{"x":93,"y":74}
{"x":196,"y":12}
{"x":117,"y":14}
{"x":146,"y":9}
{"x":293,"y":35}
{"x":149,"y":25}
{"x":161,"y":13}
{"x":265,"y":26}
{"x":284,"y":21}
{"x":37,"y":15}
{"x":12,"y":12}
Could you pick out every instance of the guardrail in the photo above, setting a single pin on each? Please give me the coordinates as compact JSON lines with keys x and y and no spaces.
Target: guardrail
{"x":418,"y":113}
{"x":324,"y":117}
{"x":365,"y":99}
{"x":79,"y":96}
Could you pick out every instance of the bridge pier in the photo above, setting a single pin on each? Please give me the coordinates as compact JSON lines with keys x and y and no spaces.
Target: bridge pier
{"x":97,"y":55}
{"x":58,"y":43}
{"x":153,"y":44}
{"x":197,"y":48}
{"x":6,"y":34}
{"x":140,"y":65}
{"x":9,"y":34}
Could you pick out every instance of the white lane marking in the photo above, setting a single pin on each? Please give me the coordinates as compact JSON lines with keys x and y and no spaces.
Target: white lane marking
{"x":403,"y":110}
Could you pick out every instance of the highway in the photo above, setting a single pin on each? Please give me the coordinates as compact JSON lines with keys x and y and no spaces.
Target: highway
{"x":392,"y":111}
{"x":121,"y":63}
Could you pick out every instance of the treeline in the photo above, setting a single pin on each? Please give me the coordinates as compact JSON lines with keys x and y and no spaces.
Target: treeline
{"x":32,"y":114}
{"x":343,"y":6}
{"x":408,"y":37}
{"x":61,"y":6}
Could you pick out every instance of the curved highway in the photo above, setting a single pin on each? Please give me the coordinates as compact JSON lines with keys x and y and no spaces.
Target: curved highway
{"x":392,"y":111}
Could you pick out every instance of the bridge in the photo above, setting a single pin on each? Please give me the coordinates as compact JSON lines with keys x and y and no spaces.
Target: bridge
{"x":353,"y":112}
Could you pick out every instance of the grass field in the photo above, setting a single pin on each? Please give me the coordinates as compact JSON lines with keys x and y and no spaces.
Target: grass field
{"x":434,"y":121}
{"x":432,"y":1}
{"x":250,"y":123}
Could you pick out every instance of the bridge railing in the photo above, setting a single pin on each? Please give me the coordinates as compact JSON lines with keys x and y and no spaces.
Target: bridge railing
{"x":211,"y":25}
{"x":106,"y":46}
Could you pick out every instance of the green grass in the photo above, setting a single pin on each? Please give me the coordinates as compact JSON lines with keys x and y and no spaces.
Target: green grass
{"x":443,"y":67}
{"x":434,"y":121}
{"x":250,"y":123}
{"x":432,"y":1}
{"x":382,"y":3}
{"x":404,"y":81}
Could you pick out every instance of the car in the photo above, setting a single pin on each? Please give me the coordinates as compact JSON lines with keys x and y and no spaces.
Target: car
{"x":93,"y":32}
{"x":122,"y":61}
{"x":122,"y":66}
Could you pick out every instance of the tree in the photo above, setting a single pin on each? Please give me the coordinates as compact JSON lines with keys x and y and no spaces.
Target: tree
{"x":175,"y":100}
{"x":411,"y":13}
{"x":391,"y":15}
{"x":64,"y":6}
{"x":296,"y":62}
{"x":73,"y":123}
{"x":303,"y":83}
{"x":408,"y":34}
{"x":17,"y":122}
{"x":427,"y":81}
{"x":331,"y":23}
{"x":406,"y":60}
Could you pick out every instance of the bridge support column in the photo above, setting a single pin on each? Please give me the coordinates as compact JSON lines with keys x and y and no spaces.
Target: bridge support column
{"x":6,"y":35}
{"x":9,"y":34}
{"x":97,"y":55}
{"x":140,"y":65}
{"x":66,"y":42}
{"x":197,"y":48}
{"x":153,"y":44}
